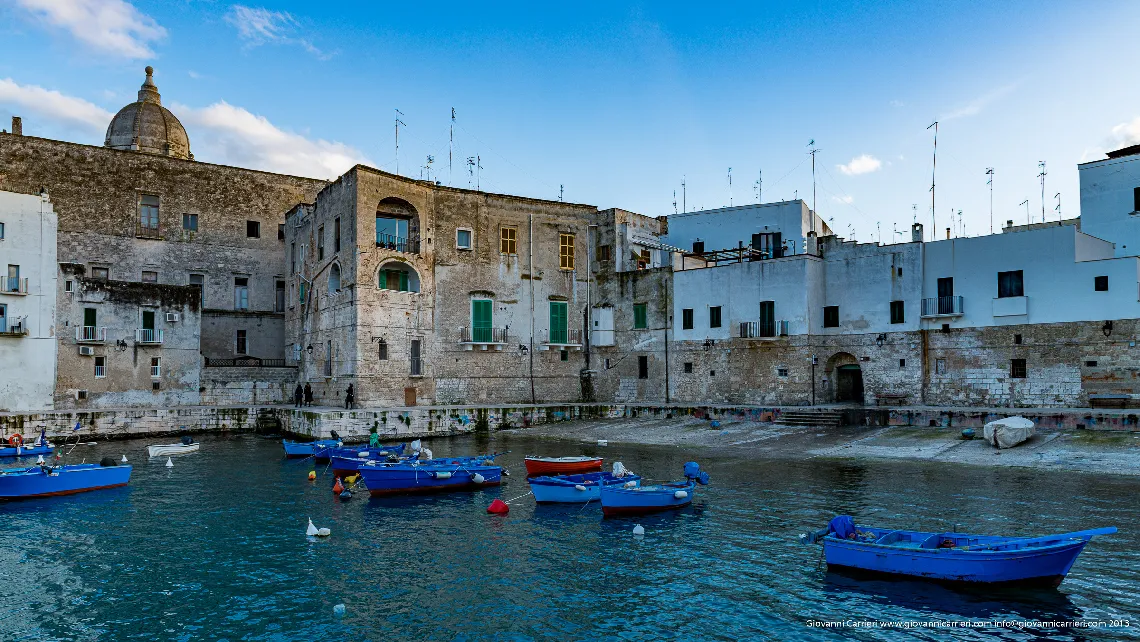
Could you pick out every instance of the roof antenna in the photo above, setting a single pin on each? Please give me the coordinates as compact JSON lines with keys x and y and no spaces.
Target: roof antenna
{"x":684,"y":193}
{"x":990,"y":182}
{"x":1026,"y":204}
{"x":674,"y":201}
{"x":1041,"y":175}
{"x":758,"y":188}
{"x":398,"y":123}
{"x":914,"y":210}
{"x":814,"y":211}
{"x":730,"y":187}
{"x":1058,"y":208}
{"x":450,"y":146}
{"x":933,"y":171}
{"x":560,"y":192}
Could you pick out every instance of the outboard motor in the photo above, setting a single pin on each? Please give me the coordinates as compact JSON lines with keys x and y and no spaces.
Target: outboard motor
{"x":187,"y":440}
{"x":693,"y":471}
{"x":107,"y":462}
{"x":334,"y":435}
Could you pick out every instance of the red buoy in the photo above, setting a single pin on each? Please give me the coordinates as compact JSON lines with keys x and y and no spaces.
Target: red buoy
{"x":338,"y":488}
{"x":498,"y":507}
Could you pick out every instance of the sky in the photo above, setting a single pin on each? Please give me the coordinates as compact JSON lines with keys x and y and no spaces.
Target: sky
{"x":617,"y":105}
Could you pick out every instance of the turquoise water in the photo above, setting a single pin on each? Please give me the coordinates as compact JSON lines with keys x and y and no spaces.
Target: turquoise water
{"x":214,"y":548}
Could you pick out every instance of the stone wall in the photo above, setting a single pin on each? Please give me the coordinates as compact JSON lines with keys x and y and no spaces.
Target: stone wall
{"x":127,"y":423}
{"x":237,"y":386}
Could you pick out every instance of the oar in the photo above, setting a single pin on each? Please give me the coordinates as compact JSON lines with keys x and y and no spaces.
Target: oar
{"x":1085,"y":535}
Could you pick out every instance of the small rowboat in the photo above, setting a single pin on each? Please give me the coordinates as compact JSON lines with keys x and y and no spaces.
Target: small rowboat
{"x":26,"y":451}
{"x":45,"y":481}
{"x":165,"y":450}
{"x":562,"y":465}
{"x":577,"y":489}
{"x":952,"y":557}
{"x":618,"y":500}
{"x":346,"y":460}
{"x":294,"y":449}
{"x":413,"y":477}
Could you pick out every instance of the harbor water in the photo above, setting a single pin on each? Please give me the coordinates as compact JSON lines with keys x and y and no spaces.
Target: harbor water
{"x":214,"y":548}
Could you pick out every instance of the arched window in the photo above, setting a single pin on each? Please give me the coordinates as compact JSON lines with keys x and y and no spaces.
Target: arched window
{"x":397,"y":226}
{"x":398,"y":276}
{"x":334,"y":278}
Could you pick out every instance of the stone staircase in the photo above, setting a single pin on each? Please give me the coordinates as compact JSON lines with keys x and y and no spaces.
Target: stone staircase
{"x":811,"y":418}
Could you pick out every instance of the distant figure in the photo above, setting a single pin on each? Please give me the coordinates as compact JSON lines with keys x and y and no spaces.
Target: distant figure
{"x":349,"y":397}
{"x":308,"y":395}
{"x":299,"y":396}
{"x":374,"y":439}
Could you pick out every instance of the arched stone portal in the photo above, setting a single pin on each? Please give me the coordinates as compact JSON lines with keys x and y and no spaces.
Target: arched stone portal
{"x":846,"y":378}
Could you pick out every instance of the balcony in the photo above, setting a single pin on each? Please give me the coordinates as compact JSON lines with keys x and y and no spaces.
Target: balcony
{"x":14,"y":285}
{"x":14,"y":327}
{"x":763,"y":329}
{"x":90,"y":334}
{"x":943,"y":306}
{"x":148,"y":336}
{"x":483,"y":337}
{"x":147,"y":231}
{"x":561,"y":340}
{"x":409,"y":245}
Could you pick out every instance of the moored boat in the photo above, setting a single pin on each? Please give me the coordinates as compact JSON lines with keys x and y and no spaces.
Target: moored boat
{"x":619,"y":500}
{"x":345,"y":460}
{"x":562,"y":465}
{"x":579,"y":489}
{"x":1008,"y":432}
{"x":294,"y":449}
{"x":26,"y":451}
{"x":414,"y":477}
{"x":952,"y":557}
{"x":187,"y":445}
{"x":45,"y":481}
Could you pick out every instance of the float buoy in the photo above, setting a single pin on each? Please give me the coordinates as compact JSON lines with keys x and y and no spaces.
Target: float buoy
{"x":313,"y":531}
{"x":443,"y":474}
{"x":681,"y":494}
{"x":478,"y":479}
{"x":351,"y":479}
{"x":338,"y":487}
{"x":169,"y":464}
{"x":630,"y":484}
{"x":579,"y":488}
{"x":124,"y":460}
{"x":638,"y":529}
{"x":603,"y":442}
{"x":16,"y":440}
{"x":498,"y":507}
{"x":346,"y":495}
{"x":312,"y":475}
{"x":338,"y":610}
{"x":40,"y":460}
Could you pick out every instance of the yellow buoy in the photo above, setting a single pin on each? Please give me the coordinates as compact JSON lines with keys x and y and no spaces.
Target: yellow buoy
{"x":351,"y":479}
{"x":312,"y":475}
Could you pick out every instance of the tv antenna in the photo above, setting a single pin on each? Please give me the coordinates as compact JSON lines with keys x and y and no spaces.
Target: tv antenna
{"x":1058,"y":208}
{"x":398,"y":123}
{"x":811,"y":144}
{"x":474,"y":164}
{"x":427,"y":167}
{"x":933,"y":173}
{"x":450,"y":146}
{"x":914,"y":211}
{"x":758,"y":188}
{"x":674,"y":201}
{"x":730,"y":187}
{"x":684,"y":194}
{"x":1026,"y":204}
{"x":1041,"y":174}
{"x":560,"y":192}
{"x":990,"y":182}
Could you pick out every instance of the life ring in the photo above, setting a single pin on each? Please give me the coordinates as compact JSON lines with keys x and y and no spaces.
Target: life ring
{"x":16,"y":440}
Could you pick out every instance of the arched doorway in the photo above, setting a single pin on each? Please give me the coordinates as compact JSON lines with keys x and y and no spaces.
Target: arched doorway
{"x":845,"y":377}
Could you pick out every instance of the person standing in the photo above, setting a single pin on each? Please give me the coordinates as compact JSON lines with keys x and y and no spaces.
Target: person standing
{"x":298,"y":396}
{"x":308,"y":395}
{"x":349,"y":397}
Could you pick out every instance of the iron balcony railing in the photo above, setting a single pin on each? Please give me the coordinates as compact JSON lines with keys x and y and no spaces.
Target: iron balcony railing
{"x":417,"y":367}
{"x":564,"y":337}
{"x":100,"y":371}
{"x":409,"y":245}
{"x":155,"y":372}
{"x":147,"y":231}
{"x":14,"y":285}
{"x":14,"y":326}
{"x":483,"y":335}
{"x":90,"y":334}
{"x":763,"y":329}
{"x":149,"y":335}
{"x":246,"y":362}
{"x":942,"y":306}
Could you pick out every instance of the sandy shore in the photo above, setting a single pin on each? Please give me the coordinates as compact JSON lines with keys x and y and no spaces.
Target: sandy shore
{"x":1079,"y":450}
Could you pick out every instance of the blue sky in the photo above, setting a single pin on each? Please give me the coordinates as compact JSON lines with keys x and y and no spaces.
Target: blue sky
{"x":617,"y":103}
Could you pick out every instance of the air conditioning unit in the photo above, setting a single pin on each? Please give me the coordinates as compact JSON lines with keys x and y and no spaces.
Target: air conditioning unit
{"x":80,"y":394}
{"x":172,"y":317}
{"x":86,"y":351}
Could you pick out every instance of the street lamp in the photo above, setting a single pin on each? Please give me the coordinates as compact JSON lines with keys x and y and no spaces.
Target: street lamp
{"x":309,"y":349}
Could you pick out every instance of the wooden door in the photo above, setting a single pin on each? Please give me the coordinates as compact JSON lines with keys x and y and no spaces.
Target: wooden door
{"x":409,"y":397}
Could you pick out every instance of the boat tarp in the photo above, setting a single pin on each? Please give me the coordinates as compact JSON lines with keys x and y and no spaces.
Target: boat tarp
{"x":1008,"y":432}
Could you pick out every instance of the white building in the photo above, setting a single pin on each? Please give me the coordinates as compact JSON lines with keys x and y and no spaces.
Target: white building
{"x":27,"y":302}
{"x":763,"y":227}
{"x":1110,"y":199}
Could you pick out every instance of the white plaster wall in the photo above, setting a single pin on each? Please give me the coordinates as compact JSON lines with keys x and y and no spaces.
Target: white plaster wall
{"x":1107,"y":202}
{"x":728,"y":227}
{"x":863,"y":280}
{"x":28,"y":363}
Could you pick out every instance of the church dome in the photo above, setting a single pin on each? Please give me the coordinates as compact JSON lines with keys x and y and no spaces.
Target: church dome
{"x":147,"y":126}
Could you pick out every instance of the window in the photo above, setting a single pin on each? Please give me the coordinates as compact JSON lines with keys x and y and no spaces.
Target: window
{"x":398,"y":277}
{"x":69,"y":286}
{"x":939,"y":366}
{"x":90,"y":322}
{"x":687,"y":319}
{"x":781,"y":372}
{"x":462,"y":239}
{"x":1017,"y":368}
{"x":149,"y":277}
{"x":714,"y":316}
{"x":902,"y":363}
{"x":13,"y":284}
{"x":321,"y":243}
{"x":4,"y":318}
{"x":279,"y":296}
{"x":155,"y":367}
{"x":280,"y":231}
{"x":507,"y":240}
{"x":100,"y":367}
{"x":565,"y":251}
{"x":640,"y":320}
{"x":898,"y":312}
{"x":241,"y":293}
{"x":688,"y":366}
{"x":642,"y":367}
{"x":481,"y":315}
{"x":292,"y":259}
{"x":767,"y":326}
{"x":1,"y":231}
{"x":644,"y":260}
{"x":334,"y":278}
{"x":392,"y":233}
{"x":831,"y":316}
{"x":199,"y":281}
{"x":190,"y":222}
{"x":564,"y":355}
{"x":148,"y":212}
{"x":382,"y":350}
{"x":768,"y":243}
{"x":603,"y":253}
{"x":240,"y":344}
{"x":900,"y":271}
{"x":1010,"y":284}
{"x":1017,"y":339}
{"x":1090,"y":364}
{"x":328,"y":358}
{"x":712,"y":373}
{"x":336,"y":235}
{"x":1136,"y":199}
{"x":252,"y":229}
{"x":416,"y":362}
{"x":698,"y":247}
{"x":1100,"y":283}
{"x":558,"y":333}
{"x":100,"y":273}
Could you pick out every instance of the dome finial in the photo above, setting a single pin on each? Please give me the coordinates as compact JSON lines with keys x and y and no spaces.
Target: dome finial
{"x":149,"y":91}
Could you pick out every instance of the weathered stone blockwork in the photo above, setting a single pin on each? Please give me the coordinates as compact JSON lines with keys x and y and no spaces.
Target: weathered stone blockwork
{"x":238,"y":386}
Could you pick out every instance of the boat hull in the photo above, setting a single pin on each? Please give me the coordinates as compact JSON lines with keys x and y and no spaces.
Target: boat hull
{"x":26,"y":451}
{"x":171,"y":449}
{"x":619,"y":501}
{"x":34,"y":482}
{"x":298,"y":449}
{"x":347,"y":461}
{"x":552,"y":466}
{"x":564,"y":489}
{"x":405,"y":479}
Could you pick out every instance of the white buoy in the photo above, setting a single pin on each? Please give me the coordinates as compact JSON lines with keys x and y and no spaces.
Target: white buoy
{"x":124,"y":459}
{"x":40,"y":459}
{"x":638,"y":529}
{"x":19,"y":450}
{"x":681,"y":494}
{"x":630,"y":484}
{"x":603,"y":442}
{"x":579,"y":487}
{"x":338,"y":609}
{"x":323,"y":532}
{"x":169,"y":464}
{"x":311,"y":530}
{"x":478,"y":479}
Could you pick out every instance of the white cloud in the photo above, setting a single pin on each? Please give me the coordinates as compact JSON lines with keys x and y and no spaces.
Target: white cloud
{"x":223,"y":133}
{"x":897,"y":103}
{"x":845,"y":199}
{"x":51,"y":106}
{"x":113,"y":27}
{"x":259,"y":26}
{"x":975,"y":106}
{"x":1126,"y":134}
{"x":862,"y":164}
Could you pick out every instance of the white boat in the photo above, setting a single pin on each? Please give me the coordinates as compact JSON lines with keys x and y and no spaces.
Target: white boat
{"x":1008,"y":432}
{"x":165,"y":450}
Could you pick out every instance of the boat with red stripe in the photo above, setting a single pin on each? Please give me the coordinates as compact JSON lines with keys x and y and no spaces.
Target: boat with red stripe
{"x":562,"y":465}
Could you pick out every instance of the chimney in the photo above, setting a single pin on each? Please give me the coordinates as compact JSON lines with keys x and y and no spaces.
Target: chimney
{"x":17,"y":126}
{"x":947,"y":233}
{"x":916,"y":233}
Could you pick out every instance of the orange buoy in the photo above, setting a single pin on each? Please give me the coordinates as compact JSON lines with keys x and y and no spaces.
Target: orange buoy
{"x":498,"y":507}
{"x":16,"y":440}
{"x":312,"y":475}
{"x":338,"y":488}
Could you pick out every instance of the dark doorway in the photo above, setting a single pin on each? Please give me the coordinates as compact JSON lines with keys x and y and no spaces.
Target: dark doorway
{"x":849,"y":384}
{"x":409,"y":397}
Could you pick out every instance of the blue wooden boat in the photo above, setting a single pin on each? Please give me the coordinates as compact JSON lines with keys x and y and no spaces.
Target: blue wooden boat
{"x":576,"y":489}
{"x":952,"y":557}
{"x":345,"y":460}
{"x":26,"y":451}
{"x":45,"y":481}
{"x":415,"y":477}
{"x":618,"y":500}
{"x":294,"y":449}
